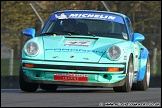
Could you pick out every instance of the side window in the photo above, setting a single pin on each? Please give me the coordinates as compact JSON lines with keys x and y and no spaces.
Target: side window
{"x":130,"y":27}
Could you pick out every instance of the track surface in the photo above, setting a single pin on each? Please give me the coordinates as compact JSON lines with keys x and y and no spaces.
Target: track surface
{"x":80,"y":97}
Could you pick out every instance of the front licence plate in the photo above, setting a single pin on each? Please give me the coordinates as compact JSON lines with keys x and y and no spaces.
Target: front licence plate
{"x":71,"y":77}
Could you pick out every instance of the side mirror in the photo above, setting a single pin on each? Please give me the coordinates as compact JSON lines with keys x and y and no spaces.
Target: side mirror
{"x":137,"y":37}
{"x":29,"y":32}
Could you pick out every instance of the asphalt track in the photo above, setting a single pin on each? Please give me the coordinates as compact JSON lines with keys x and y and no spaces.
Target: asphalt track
{"x":80,"y":97}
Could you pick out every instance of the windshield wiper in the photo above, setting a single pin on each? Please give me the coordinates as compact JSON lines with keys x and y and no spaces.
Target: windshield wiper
{"x":90,"y":34}
{"x":71,"y":32}
{"x":50,"y":33}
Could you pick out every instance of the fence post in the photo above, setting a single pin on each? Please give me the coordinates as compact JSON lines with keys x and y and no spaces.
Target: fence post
{"x":154,"y":62}
{"x":11,"y":62}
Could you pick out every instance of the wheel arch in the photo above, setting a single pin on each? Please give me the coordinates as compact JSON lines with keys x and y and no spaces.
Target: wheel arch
{"x":143,"y":61}
{"x":130,"y":55}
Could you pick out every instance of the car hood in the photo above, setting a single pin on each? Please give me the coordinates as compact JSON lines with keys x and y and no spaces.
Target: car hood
{"x":75,"y":48}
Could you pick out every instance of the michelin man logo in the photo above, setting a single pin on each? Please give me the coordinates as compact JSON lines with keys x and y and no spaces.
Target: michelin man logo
{"x":62,"y":16}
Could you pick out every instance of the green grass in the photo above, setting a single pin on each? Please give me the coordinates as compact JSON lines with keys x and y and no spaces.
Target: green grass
{"x":5,"y":67}
{"x":158,"y":69}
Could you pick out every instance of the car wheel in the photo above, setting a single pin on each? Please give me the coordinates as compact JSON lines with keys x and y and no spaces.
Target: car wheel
{"x":129,"y":78}
{"x":48,"y":87}
{"x":26,"y":86}
{"x":144,"y":84}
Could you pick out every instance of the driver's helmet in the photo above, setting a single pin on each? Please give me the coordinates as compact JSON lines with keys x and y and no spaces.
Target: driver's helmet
{"x":69,"y":24}
{"x":110,"y":27}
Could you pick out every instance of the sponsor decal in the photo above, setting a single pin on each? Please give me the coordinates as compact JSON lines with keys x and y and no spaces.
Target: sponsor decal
{"x":86,"y":58}
{"x":121,"y":76}
{"x":124,"y":35}
{"x":87,"y":15}
{"x":125,"y":56}
{"x":71,"y":56}
{"x":75,"y":50}
{"x":136,"y":57}
{"x":62,"y":16}
{"x":71,"y":77}
{"x":56,"y":57}
{"x":91,"y":16}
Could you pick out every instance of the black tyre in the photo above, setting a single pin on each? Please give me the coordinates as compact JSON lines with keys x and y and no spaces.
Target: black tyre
{"x":26,"y":86}
{"x":129,"y":78}
{"x":144,"y":84}
{"x":48,"y":87}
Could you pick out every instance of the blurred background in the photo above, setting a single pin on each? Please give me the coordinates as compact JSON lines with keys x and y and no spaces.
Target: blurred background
{"x":19,"y":15}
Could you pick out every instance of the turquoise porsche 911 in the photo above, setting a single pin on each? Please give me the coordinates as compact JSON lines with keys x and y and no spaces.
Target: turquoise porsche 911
{"x":85,"y":48}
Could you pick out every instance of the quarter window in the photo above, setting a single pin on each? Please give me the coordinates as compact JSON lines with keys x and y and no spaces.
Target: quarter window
{"x":130,"y":27}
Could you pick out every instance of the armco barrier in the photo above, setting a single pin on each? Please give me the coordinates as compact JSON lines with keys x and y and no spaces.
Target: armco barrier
{"x":12,"y":82}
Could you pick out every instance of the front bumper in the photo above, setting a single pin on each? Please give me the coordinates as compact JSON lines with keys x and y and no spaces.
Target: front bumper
{"x":44,"y":72}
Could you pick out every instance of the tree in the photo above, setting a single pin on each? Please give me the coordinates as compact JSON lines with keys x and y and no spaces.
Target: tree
{"x":18,"y":15}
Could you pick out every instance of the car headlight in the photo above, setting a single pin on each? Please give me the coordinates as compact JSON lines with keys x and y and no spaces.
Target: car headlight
{"x":31,"y":48}
{"x":113,"y":52}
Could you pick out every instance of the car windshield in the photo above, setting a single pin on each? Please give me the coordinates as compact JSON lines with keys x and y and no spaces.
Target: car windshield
{"x":86,"y":27}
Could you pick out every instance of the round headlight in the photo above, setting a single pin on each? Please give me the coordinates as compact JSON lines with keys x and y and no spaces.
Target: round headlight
{"x":31,"y":48}
{"x":113,"y":52}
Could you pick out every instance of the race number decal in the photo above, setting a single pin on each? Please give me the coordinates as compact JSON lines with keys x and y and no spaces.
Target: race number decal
{"x":77,"y":43}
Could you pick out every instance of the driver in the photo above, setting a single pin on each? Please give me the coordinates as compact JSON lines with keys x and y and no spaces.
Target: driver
{"x":69,"y":25}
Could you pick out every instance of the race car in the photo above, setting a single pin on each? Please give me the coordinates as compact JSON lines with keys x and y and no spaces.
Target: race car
{"x":87,"y":48}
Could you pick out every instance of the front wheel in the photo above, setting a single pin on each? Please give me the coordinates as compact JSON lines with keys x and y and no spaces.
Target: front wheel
{"x":129,"y":78}
{"x":26,"y":86}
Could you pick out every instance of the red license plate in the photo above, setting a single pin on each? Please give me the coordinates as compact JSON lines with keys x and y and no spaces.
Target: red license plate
{"x":71,"y":77}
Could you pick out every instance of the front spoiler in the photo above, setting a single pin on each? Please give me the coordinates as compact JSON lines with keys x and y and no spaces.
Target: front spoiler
{"x":119,"y":83}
